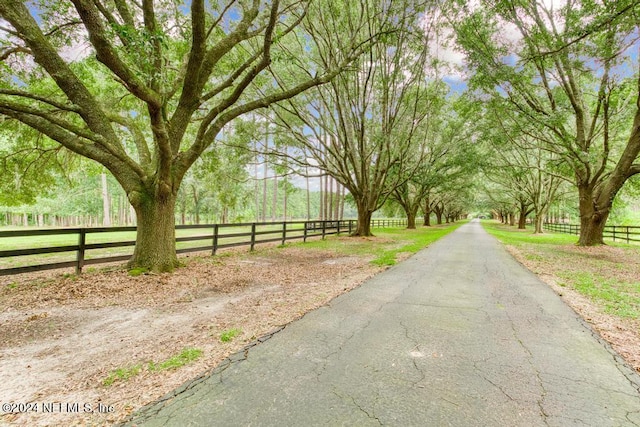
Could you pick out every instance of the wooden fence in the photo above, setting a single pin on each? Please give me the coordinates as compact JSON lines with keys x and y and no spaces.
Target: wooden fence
{"x":620,"y":233}
{"x":189,"y":238}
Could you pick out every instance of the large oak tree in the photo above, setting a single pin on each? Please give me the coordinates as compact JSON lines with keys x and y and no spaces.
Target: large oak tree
{"x":158,"y":81}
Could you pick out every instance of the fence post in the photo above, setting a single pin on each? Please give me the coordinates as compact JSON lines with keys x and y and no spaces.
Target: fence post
{"x":614,"y":233}
{"x":81,"y":248}
{"x":306,"y":227}
{"x":284,"y":232}
{"x":338,"y":232}
{"x":215,"y":239}
{"x":350,"y":226}
{"x":628,"y":241}
{"x":253,"y":235}
{"x":324,"y":229}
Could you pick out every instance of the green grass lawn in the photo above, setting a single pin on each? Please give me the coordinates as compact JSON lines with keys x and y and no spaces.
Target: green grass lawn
{"x":387,"y":243}
{"x":512,"y":236}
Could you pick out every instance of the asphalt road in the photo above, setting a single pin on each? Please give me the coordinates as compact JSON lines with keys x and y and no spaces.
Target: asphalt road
{"x":458,"y":335}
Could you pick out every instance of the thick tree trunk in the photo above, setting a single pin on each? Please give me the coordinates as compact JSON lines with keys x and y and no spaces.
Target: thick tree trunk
{"x":439,"y":210}
{"x":522,"y":222}
{"x":522,"y":217}
{"x":427,"y":212}
{"x":411,"y":220}
{"x":364,"y":222}
{"x":591,"y":230}
{"x":592,"y":219}
{"x":538,"y":222}
{"x":156,"y":239}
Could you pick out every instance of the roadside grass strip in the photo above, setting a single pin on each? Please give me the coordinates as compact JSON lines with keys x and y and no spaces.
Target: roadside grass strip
{"x":386,"y":243}
{"x":186,"y":356}
{"x":618,"y":298}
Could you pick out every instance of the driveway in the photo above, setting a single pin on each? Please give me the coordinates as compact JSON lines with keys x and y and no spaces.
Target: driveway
{"x":460,"y":334}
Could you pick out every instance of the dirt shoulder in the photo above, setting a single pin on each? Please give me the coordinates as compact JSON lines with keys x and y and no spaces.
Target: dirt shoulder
{"x":61,"y":338}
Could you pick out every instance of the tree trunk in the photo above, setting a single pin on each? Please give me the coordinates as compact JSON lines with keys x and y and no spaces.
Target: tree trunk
{"x":285,"y":197}
{"x":308,"y":194}
{"x":364,"y":221}
{"x":132,"y":216}
{"x":155,"y":248}
{"x":196,"y":203}
{"x":539,"y":229}
{"x":592,"y":219}
{"x":183,"y":212}
{"x":263,"y":217}
{"x":411,"y":219}
{"x":274,"y":199}
{"x":321,"y":212}
{"x":325,"y":208}
{"x":591,"y":230}
{"x":331,"y":200}
{"x":427,"y":212}
{"x":342,"y":194}
{"x":106,"y":202}
{"x":224,"y":218}
{"x":522,"y":221}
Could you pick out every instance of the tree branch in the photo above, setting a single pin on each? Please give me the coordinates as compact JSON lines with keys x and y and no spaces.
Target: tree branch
{"x":106,"y":54}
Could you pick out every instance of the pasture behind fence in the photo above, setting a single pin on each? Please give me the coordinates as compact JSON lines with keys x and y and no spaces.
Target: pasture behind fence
{"x":111,"y":244}
{"x":620,"y":233}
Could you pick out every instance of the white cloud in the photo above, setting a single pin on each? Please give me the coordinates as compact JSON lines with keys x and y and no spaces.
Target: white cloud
{"x":76,"y":51}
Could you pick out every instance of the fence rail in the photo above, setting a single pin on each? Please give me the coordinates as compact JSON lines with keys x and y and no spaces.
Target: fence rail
{"x":621,"y":233}
{"x":189,"y":238}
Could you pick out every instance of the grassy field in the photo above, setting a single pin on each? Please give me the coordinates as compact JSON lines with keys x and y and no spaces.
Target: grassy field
{"x":388,"y":243}
{"x":609,"y":276}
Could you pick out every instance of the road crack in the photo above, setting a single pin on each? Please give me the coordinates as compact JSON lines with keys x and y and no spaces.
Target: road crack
{"x":369,"y":415}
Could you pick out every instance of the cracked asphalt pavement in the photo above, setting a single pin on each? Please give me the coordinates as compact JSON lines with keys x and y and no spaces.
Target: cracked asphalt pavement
{"x":458,"y":335}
